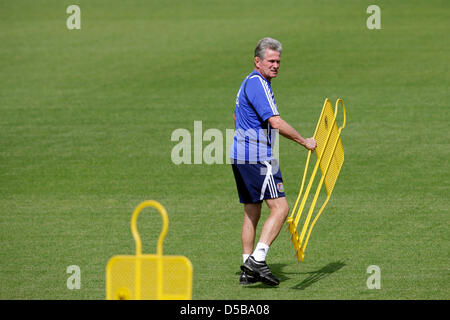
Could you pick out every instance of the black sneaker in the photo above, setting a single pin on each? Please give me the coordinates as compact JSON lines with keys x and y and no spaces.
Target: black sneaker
{"x":246,"y":279}
{"x":261,"y":270}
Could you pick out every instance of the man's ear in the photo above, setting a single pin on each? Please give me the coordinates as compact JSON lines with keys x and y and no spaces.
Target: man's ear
{"x":257,"y":61}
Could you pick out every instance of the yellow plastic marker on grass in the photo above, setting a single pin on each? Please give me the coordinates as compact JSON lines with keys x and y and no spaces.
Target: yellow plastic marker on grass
{"x":330,"y":157}
{"x":149,"y":276}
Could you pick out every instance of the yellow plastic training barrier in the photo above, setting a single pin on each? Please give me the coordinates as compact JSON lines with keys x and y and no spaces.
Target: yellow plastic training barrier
{"x":330,"y":157}
{"x":149,"y":276}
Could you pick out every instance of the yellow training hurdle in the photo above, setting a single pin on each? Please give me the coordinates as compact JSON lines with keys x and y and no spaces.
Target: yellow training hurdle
{"x":149,"y":276}
{"x":330,"y":157}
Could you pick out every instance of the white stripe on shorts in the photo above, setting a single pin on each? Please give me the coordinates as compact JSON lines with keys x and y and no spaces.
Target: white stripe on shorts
{"x":269,"y":182}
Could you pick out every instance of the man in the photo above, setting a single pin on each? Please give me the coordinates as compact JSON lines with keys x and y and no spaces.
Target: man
{"x":255,"y":169}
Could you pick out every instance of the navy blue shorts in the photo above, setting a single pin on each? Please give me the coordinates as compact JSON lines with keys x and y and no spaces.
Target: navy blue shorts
{"x":258,"y":181}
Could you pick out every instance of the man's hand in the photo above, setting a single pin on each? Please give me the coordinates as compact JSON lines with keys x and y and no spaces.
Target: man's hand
{"x":310,"y":144}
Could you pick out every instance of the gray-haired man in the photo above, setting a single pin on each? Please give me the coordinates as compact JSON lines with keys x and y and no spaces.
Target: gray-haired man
{"x":256,"y":111}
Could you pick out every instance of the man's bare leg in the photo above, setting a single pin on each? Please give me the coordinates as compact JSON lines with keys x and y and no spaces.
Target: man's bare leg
{"x":256,"y":265}
{"x":252,"y":213}
{"x":279,"y":210}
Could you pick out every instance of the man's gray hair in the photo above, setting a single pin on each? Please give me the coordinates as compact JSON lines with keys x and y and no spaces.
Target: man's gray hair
{"x":267,"y":43}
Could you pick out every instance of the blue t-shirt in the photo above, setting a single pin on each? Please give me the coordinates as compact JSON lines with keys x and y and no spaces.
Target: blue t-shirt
{"x":255,"y":104}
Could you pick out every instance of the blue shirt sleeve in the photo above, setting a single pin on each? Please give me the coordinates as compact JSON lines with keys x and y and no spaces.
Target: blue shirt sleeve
{"x":260,"y":96}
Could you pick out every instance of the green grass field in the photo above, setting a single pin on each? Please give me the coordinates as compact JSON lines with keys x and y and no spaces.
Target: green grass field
{"x":85,"y":136}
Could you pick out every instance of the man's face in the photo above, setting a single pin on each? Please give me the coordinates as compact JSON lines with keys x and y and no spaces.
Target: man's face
{"x":270,"y":65}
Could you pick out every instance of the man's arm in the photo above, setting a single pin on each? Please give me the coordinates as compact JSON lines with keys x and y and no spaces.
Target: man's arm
{"x":234,"y":118}
{"x":287,"y":131}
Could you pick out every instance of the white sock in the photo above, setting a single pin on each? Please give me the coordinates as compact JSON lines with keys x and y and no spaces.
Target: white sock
{"x":245,"y":257}
{"x":260,"y":252}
